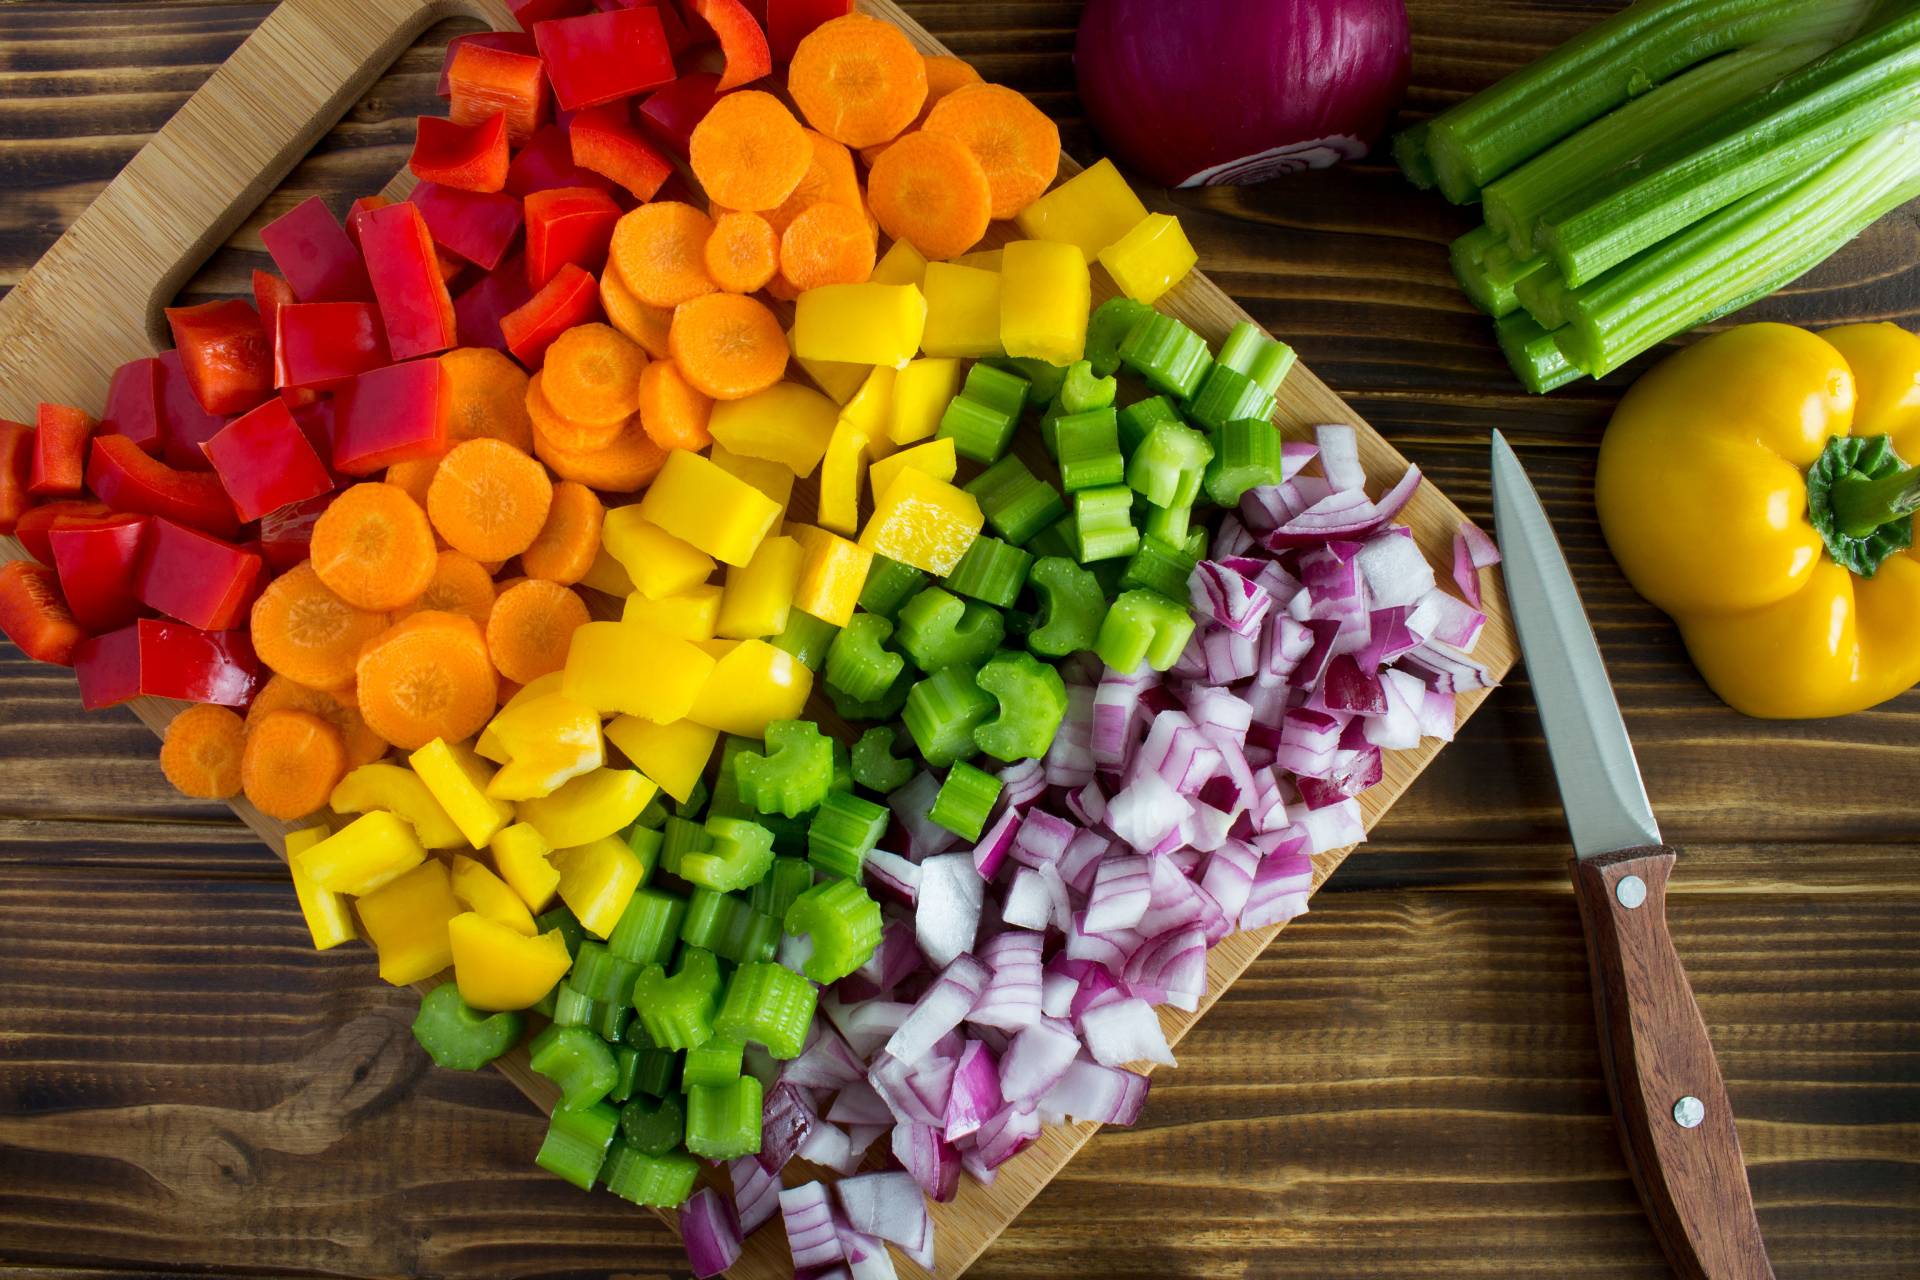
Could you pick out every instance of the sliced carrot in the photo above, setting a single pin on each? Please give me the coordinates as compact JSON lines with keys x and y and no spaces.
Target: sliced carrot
{"x":743,"y":252}
{"x":1014,"y":141}
{"x":830,"y":176}
{"x":548,"y":422}
{"x":531,"y":624}
{"x":427,"y":677}
{"x":489,"y":499}
{"x":592,"y":375}
{"x":944,"y":75}
{"x":858,"y":80}
{"x":291,"y":764}
{"x":412,"y":477}
{"x":673,"y":412}
{"x":625,"y":466}
{"x":201,"y":754}
{"x":728,"y":345}
{"x":645,"y":324}
{"x":828,"y":244}
{"x":373,"y":548}
{"x":569,"y":540}
{"x":304,"y":631}
{"x":930,"y":191}
{"x":460,"y":584}
{"x":486,"y":395}
{"x":749,"y":152}
{"x":338,"y":708}
{"x":659,"y":251}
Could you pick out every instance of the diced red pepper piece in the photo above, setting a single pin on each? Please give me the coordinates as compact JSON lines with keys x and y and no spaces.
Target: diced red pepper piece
{"x":528,"y":12}
{"x":128,"y":480}
{"x":270,"y":293}
{"x":165,"y":659}
{"x":33,"y":615}
{"x":184,"y":425}
{"x":413,"y":298}
{"x":96,"y":563}
{"x":572,"y":297}
{"x":791,"y":21}
{"x":37,"y":523}
{"x":202,"y":581}
{"x":486,"y":81}
{"x":511,"y":41}
{"x":598,"y":57}
{"x":286,"y":533}
{"x":316,"y":255}
{"x":742,"y":43}
{"x":316,"y":424}
{"x":265,"y":461}
{"x":133,"y":403}
{"x":605,"y":141}
{"x":546,"y":161}
{"x":226,"y":355}
{"x":16,"y":472}
{"x":477,"y":226}
{"x":390,"y":415}
{"x":684,"y":32}
{"x":568,"y":225}
{"x":671,"y":114}
{"x":322,"y":343}
{"x":357,"y":213}
{"x":481,"y":308}
{"x":472,"y":157}
{"x":60,"y":451}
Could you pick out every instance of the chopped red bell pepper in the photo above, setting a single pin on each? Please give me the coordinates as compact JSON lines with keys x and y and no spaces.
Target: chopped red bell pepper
{"x":357,"y":213}
{"x":226,"y":355}
{"x":742,"y":43}
{"x":33,"y":615}
{"x":605,"y":141}
{"x":270,"y":293}
{"x":286,"y":533}
{"x":671,"y":114}
{"x":481,"y":308}
{"x":528,"y":12}
{"x":322,"y":343}
{"x":265,"y":461}
{"x":684,"y":30}
{"x":166,"y":659}
{"x":472,"y":157}
{"x":477,"y":226}
{"x":60,"y":451}
{"x":546,"y":161}
{"x":598,"y":57}
{"x":36,"y":523}
{"x":567,"y":225}
{"x":511,"y":41}
{"x":16,"y":472}
{"x":133,"y":404}
{"x":485,"y":81}
{"x":390,"y":415}
{"x":572,"y":297}
{"x":316,"y":424}
{"x":791,"y":21}
{"x":316,"y":255}
{"x":96,"y":563}
{"x":184,"y":425}
{"x":413,"y":297}
{"x":128,"y":480}
{"x":201,"y":581}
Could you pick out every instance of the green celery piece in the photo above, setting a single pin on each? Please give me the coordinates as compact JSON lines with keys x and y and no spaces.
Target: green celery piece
{"x":1410,"y":153}
{"x":626,"y":1070}
{"x":806,"y":638}
{"x":1054,"y":540}
{"x":571,"y":1008}
{"x":1143,"y":626}
{"x":1107,"y":330}
{"x":1169,"y":464}
{"x":1072,"y":605}
{"x":789,"y":878}
{"x":1265,"y":361}
{"x":1017,"y":503}
{"x":696,"y":802}
{"x":1082,"y":391}
{"x":1226,"y":396}
{"x":576,"y":1060}
{"x":610,"y":1022}
{"x":1246,"y":455}
{"x":655,"y":813}
{"x":875,"y":767}
{"x":772,"y":1005}
{"x":842,"y":922}
{"x":1141,"y":417}
{"x":889,"y":584}
{"x":990,"y":571}
{"x":1159,"y":567}
{"x":646,"y":843}
{"x":1536,"y":358}
{"x":723,"y":1121}
{"x":981,"y":419}
{"x":965,"y":800}
{"x":654,"y":1182}
{"x":859,"y":664}
{"x":749,"y":936}
{"x":1043,"y":379}
{"x":845,"y":830}
{"x":457,"y":1035}
{"x":648,"y":928}
{"x":842,"y":767}
{"x":1168,"y":356}
{"x":654,"y":1125}
{"x":884,"y":707}
{"x":1088,"y":450}
{"x":576,"y":1144}
{"x":1544,"y":295}
{"x":1169,"y":524}
{"x":678,"y":1011}
{"x":710,"y":913}
{"x":680,"y":837}
{"x":1480,"y":260}
{"x":741,"y":854}
{"x":1103,"y":523}
{"x":561,"y":918}
{"x":942,"y":712}
{"x":938,"y":629}
{"x":1033,"y":702}
{"x":716,"y":1062}
{"x":793,"y":776}
{"x":601,"y":975}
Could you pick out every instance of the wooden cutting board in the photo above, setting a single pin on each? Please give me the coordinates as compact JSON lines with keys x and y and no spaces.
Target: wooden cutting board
{"x":95,"y":299}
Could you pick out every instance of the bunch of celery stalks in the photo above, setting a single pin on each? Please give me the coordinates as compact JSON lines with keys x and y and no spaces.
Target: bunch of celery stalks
{"x":1673,"y":164}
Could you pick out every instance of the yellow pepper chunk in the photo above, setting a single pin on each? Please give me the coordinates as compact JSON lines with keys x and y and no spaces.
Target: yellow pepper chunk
{"x":488,"y":746}
{"x":860,"y":324}
{"x":520,"y":855}
{"x":920,"y":395}
{"x":963,"y":311}
{"x":837,"y":378}
{"x":397,"y":790}
{"x":753,"y":686}
{"x":633,"y":669}
{"x":924,"y":522}
{"x":936,"y":458}
{"x":407,"y":923}
{"x":759,"y":595}
{"x":871,"y":410}
{"x":498,"y":968}
{"x":458,"y":779}
{"x":607,"y":574}
{"x":902,"y":264}
{"x":548,"y":740}
{"x":597,"y":878}
{"x":657,"y":563}
{"x":696,"y":501}
{"x":982,"y":260}
{"x":842,"y":477}
{"x":329,"y":917}
{"x":1151,"y":258}
{"x":593,"y":805}
{"x":1091,"y":210}
{"x":691,"y":615}
{"x":673,"y":756}
{"x":368,"y":852}
{"x":787,"y":423}
{"x":480,"y":890}
{"x":833,"y":575}
{"x":1045,"y":294}
{"x":770,"y":477}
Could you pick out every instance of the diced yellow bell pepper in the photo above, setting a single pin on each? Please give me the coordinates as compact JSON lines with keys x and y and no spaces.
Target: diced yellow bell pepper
{"x":370,"y":851}
{"x":407,"y":923}
{"x":691,"y":615}
{"x":963,"y":311}
{"x":329,"y":917}
{"x":520,"y":856}
{"x":838,"y":379}
{"x":920,"y":395}
{"x":489,"y":747}
{"x":696,"y":501}
{"x":1045,"y":294}
{"x":458,"y":779}
{"x":787,"y":423}
{"x":842,"y":478}
{"x":497,"y":968}
{"x":902,"y":264}
{"x":1092,"y":209}
{"x":936,"y":458}
{"x":924,"y":522}
{"x":481,"y":890}
{"x":759,"y":595}
{"x":860,"y":323}
{"x":752,"y":687}
{"x":548,"y":740}
{"x":871,"y":409}
{"x":770,"y":477}
{"x":597,"y":878}
{"x":591,"y":806}
{"x":607,"y":574}
{"x":634,"y":669}
{"x":717,"y":648}
{"x":833,"y":575}
{"x":397,"y":790}
{"x":657,"y":563}
{"x":673,"y":756}
{"x":1151,"y":258}
{"x":982,"y":260}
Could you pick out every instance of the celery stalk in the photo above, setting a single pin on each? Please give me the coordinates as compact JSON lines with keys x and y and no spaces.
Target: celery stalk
{"x":1544,"y":296}
{"x":1488,"y":270}
{"x":1536,"y":358}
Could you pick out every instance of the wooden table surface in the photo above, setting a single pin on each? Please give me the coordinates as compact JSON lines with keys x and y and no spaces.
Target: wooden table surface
{"x":1405,"y":1085}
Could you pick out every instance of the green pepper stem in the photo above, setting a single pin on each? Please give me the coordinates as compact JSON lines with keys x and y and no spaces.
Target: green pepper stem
{"x":1861,"y":505}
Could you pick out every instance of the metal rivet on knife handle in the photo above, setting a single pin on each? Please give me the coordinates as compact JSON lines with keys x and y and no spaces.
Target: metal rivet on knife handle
{"x":1689,"y":1112}
{"x":1631,"y":891}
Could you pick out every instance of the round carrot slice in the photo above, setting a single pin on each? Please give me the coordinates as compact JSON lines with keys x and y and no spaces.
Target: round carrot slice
{"x":728,"y":346}
{"x":742,"y":253}
{"x":1014,"y":141}
{"x":338,"y":708}
{"x":427,"y":677}
{"x":944,"y":75}
{"x":531,"y":624}
{"x":201,"y":754}
{"x":673,"y":412}
{"x":592,"y":375}
{"x":489,"y":499}
{"x":486,"y":396}
{"x":460,"y":584}
{"x":830,"y":176}
{"x":659,"y":250}
{"x":305,"y":632}
{"x":828,"y":244}
{"x":412,"y":477}
{"x":373,"y":547}
{"x":858,"y":80}
{"x":646,"y":325}
{"x":551,"y":423}
{"x":291,"y":763}
{"x":569,"y":541}
{"x":625,"y":466}
{"x":748,"y":151}
{"x":929,"y":190}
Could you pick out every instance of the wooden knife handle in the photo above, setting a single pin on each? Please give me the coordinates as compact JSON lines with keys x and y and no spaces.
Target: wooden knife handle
{"x":1661,"y":1071}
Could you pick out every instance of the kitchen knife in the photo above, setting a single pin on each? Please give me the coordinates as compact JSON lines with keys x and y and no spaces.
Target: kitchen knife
{"x":1676,"y":1124}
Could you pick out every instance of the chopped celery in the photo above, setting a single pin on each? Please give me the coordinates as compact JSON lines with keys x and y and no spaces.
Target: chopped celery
{"x":1143,"y":626}
{"x":1054,"y":540}
{"x":654,"y":1125}
{"x":562,"y":918}
{"x":889,"y":584}
{"x":844,"y":831}
{"x":658,"y":1182}
{"x":717,"y":1062}
{"x":793,"y":776}
{"x":576,"y":1143}
{"x":1017,"y":503}
{"x":1108,"y":328}
{"x":859,"y":665}
{"x":1167,"y":355}
{"x":875,"y":767}
{"x":1081,"y":391}
{"x":806,"y":638}
{"x":842,"y":922}
{"x":1228,"y":395}
{"x":723,"y":1121}
{"x":980,"y":420}
{"x":571,"y":1008}
{"x":1488,"y":270}
{"x":1072,"y":605}
{"x":576,"y":1060}
{"x":456,"y":1035}
{"x":1142,"y":416}
{"x":648,"y":927}
{"x":965,"y":801}
{"x":1087,"y":446}
{"x":1169,"y":464}
{"x":942,"y":712}
{"x":884,"y":707}
{"x":991,"y":570}
{"x":680,"y":837}
{"x":1159,"y":566}
{"x":678,"y":1011}
{"x":770,"y":1004}
{"x":789,"y":878}
{"x":1246,"y":455}
{"x":938,"y":629}
{"x":1103,"y":523}
{"x":1033,"y":702}
{"x":1043,"y":379}
{"x":740,"y":853}
{"x":600,"y":975}
{"x":1266,"y":361}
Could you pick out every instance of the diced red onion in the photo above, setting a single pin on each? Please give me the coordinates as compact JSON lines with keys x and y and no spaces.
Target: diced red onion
{"x":867,"y":1257}
{"x":1229,"y":878}
{"x":1115,"y":703}
{"x":1453,"y":622}
{"x":889,"y":1206}
{"x":941,"y":1008}
{"x":1090,"y":1091}
{"x":1070,"y":760}
{"x":1042,"y":838}
{"x":808,"y":1216}
{"x":830,"y":1146}
{"x":1231,"y":538}
{"x":1394,"y":570}
{"x":892,"y":962}
{"x":710,"y":1232}
{"x":859,"y":1103}
{"x":1473,"y":551}
{"x":1339,"y":446}
{"x":1027,"y":905}
{"x":892,"y":1079}
{"x":1088,"y":805}
{"x":1057,"y":990}
{"x":868,"y":1025}
{"x":976,"y":1091}
{"x":1172,"y":965}
{"x":1011,"y":998}
{"x":1077,"y":865}
{"x":756,"y":1193}
{"x":1061,"y":899}
{"x":930,"y":1158}
{"x":1228,"y":599}
{"x":1438,"y":715}
{"x":1172,"y":900}
{"x":1022,"y":783}
{"x":1399,"y":728}
{"x":911,"y":804}
{"x":1230,"y":656}
{"x":893,"y":875}
{"x":1145,"y":812}
{"x":1122,"y":887}
{"x":1122,"y":1031}
{"x":997,"y":840}
{"x":826,"y":1062}
{"x":786,"y":1118}
{"x":1004,"y":1134}
{"x":947,"y":914}
{"x":1035,"y":1059}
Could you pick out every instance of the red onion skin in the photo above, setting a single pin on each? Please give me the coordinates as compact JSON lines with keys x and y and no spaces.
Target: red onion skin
{"x":1204,"y":92}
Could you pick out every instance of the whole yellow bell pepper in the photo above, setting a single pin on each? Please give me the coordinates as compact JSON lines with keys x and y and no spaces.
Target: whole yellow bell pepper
{"x":1753,"y":487}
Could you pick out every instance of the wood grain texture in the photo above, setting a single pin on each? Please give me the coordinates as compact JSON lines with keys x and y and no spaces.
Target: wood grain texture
{"x":1407,"y":1084}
